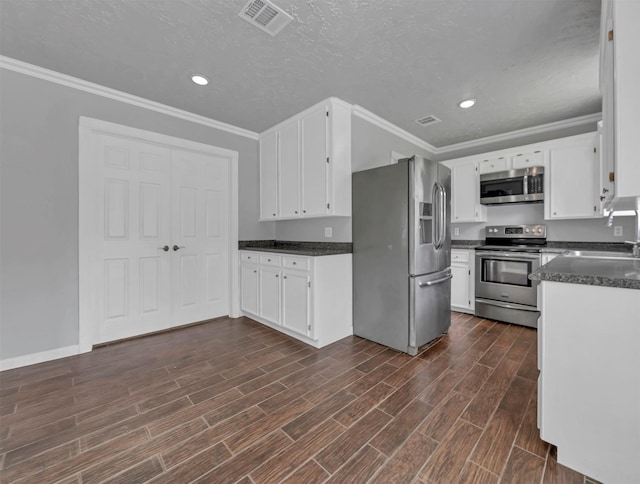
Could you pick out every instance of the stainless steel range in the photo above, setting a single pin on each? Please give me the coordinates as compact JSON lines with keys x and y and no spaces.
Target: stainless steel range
{"x":503,"y":289}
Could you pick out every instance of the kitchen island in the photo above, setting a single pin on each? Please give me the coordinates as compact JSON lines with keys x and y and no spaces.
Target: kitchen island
{"x":589,"y":361}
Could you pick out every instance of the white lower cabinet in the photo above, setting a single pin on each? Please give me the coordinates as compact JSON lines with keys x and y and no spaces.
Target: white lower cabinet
{"x":309,"y":298}
{"x":462,"y":284}
{"x":249,"y":287}
{"x":589,"y":384}
{"x":269,"y":291}
{"x":295,"y":302}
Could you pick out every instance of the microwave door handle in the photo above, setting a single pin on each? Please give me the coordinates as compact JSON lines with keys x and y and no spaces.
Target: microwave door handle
{"x":525,"y":188}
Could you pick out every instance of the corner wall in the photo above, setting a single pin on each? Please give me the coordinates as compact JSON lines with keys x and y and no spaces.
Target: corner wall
{"x":39,"y":202}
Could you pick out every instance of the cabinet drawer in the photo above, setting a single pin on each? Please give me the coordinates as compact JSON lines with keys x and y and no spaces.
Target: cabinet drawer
{"x":292,"y":262}
{"x":249,"y":257}
{"x":270,"y":260}
{"x":459,"y":256}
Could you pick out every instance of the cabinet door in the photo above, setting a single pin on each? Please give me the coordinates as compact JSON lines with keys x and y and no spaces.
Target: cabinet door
{"x":464,"y":190}
{"x":270,"y":294}
{"x":295,"y":301}
{"x":289,"y":170}
{"x":526,"y":160}
{"x":573,"y":177}
{"x":313,"y":129}
{"x":492,"y":165}
{"x":626,"y":100}
{"x":249,"y":288}
{"x":460,"y":296}
{"x":269,"y":176}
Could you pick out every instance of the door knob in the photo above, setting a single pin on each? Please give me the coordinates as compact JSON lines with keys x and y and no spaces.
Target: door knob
{"x":165,"y":248}
{"x":178,"y":247}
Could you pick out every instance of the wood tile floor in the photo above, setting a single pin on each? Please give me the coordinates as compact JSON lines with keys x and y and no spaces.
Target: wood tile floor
{"x":234,"y":401}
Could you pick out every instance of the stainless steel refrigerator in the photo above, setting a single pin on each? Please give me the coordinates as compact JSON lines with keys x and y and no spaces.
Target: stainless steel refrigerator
{"x":402,"y":253}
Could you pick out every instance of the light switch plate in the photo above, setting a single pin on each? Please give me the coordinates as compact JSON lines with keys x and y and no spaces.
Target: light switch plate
{"x":456,"y":231}
{"x":328,"y":232}
{"x":617,"y":230}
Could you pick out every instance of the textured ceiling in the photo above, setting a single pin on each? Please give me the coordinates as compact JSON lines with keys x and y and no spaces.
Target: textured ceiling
{"x":528,"y":62}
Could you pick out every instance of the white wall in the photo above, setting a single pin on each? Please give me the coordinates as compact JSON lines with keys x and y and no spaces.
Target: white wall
{"x":39,"y":202}
{"x":580,"y":230}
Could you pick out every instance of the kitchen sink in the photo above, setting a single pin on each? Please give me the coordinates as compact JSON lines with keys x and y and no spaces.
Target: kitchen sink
{"x":598,"y":254}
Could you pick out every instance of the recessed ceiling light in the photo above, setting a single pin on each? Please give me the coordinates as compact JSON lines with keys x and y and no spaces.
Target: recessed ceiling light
{"x":467,"y":103}
{"x":200,"y":80}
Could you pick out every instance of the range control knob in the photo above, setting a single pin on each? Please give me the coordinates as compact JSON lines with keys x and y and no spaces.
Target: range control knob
{"x":526,"y":230}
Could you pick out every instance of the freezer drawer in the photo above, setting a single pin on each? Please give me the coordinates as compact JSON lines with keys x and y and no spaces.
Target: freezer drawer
{"x":430,"y":308}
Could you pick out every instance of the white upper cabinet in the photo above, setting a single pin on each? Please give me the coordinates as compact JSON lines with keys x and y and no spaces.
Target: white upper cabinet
{"x":269,"y":176}
{"x":619,"y":81}
{"x":491,"y":165}
{"x":465,"y":196}
{"x":314,"y":161}
{"x":526,"y":160}
{"x":289,"y":169}
{"x":305,"y":164}
{"x":573,"y":179}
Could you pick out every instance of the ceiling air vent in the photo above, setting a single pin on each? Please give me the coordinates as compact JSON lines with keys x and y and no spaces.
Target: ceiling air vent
{"x":265,"y":15}
{"x":427,"y":120}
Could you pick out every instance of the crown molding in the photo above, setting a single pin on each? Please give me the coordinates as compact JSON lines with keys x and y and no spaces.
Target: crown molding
{"x":367,"y":115}
{"x":512,"y":135}
{"x":97,"y":89}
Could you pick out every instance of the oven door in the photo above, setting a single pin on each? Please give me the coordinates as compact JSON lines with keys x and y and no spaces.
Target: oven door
{"x":504,"y":276}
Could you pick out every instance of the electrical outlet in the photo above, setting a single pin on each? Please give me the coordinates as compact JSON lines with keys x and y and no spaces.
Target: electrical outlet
{"x":328,"y":232}
{"x":617,"y":231}
{"x":456,"y":231}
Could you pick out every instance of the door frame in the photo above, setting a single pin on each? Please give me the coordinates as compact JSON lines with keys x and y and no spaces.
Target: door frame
{"x":87,"y":205}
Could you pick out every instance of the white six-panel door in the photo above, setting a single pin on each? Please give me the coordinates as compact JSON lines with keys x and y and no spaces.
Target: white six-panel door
{"x":155,"y":240}
{"x":133,"y":271}
{"x":199,"y":238}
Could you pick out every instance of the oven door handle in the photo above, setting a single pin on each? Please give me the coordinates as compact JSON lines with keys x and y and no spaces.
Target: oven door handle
{"x":507,"y":255}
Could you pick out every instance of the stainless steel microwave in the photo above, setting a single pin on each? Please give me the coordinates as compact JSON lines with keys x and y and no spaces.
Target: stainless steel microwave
{"x":525,"y":185}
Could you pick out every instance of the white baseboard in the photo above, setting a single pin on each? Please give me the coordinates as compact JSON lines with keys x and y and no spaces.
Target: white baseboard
{"x":33,"y":358}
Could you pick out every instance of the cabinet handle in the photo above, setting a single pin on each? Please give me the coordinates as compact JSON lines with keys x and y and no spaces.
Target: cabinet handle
{"x":284,"y":277}
{"x":277,"y":275}
{"x":304,"y":211}
{"x":268,"y":260}
{"x":274,"y":214}
{"x":294,"y":263}
{"x":255,"y":272}
{"x":296,"y":211}
{"x":165,"y":248}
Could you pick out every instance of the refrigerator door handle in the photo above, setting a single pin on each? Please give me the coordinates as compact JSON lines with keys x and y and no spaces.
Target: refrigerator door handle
{"x":443,"y":215}
{"x":440,"y":211}
{"x":437,"y":281}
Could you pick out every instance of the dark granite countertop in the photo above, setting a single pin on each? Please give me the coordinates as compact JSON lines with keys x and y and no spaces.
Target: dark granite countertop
{"x":313,"y":249}
{"x":555,"y":247}
{"x":618,"y":272}
{"x":560,"y":247}
{"x":466,"y":244}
